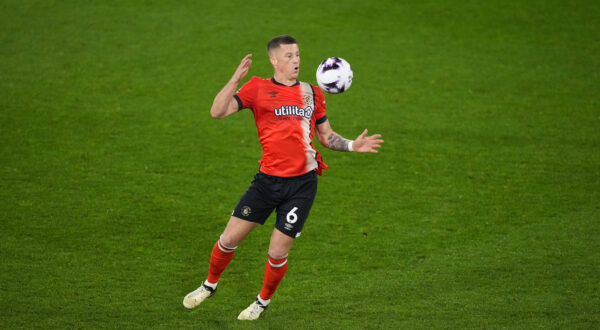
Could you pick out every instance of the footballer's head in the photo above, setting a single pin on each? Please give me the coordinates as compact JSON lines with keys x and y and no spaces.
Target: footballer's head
{"x":284,"y":54}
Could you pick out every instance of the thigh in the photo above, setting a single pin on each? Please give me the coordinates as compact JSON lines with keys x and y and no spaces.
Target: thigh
{"x":293,"y":212}
{"x":257,"y":203}
{"x":236,"y":231}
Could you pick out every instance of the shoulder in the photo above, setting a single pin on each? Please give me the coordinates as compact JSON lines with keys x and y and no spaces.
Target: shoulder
{"x":256,"y":81}
{"x":316,"y":90}
{"x":319,"y":96}
{"x":253,"y":83}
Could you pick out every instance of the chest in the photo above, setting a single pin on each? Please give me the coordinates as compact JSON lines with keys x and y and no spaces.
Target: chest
{"x":285,"y":101}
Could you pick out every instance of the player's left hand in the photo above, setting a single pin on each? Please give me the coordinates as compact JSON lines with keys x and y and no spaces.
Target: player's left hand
{"x":364,"y":143}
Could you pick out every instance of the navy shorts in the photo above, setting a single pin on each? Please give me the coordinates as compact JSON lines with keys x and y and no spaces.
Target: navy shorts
{"x":292,"y":198}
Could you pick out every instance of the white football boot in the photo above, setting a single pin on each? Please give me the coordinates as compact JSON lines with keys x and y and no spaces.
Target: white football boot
{"x":253,"y":311}
{"x":197,"y":296}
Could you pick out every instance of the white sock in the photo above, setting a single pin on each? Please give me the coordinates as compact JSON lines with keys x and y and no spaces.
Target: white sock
{"x":262,"y":301}
{"x":212,"y":285}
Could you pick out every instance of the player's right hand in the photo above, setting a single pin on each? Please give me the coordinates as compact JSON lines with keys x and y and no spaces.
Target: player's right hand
{"x":242,"y":69}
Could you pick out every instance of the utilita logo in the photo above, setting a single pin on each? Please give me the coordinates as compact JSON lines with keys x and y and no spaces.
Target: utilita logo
{"x":293,"y":110}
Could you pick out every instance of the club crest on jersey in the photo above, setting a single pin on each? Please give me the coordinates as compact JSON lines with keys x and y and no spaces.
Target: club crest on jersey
{"x":294,"y":110}
{"x":308,"y":99}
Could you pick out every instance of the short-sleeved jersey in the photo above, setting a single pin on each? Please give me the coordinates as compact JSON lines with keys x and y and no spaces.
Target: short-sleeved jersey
{"x":285,"y":117}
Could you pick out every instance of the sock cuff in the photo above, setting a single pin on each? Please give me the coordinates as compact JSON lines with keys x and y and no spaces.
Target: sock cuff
{"x":264,"y":302}
{"x":277,"y":263}
{"x":224,"y":248}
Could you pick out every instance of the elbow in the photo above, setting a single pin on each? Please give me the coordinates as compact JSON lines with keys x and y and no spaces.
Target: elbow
{"x":215,"y":114}
{"x":323,"y":141}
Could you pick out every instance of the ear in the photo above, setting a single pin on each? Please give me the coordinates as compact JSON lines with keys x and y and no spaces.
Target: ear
{"x":273,"y":59}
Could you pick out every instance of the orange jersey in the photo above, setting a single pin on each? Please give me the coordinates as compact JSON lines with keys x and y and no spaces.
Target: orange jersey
{"x":285,"y":117}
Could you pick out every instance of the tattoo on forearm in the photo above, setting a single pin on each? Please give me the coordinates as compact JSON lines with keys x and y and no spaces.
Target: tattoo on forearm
{"x":336,"y":142}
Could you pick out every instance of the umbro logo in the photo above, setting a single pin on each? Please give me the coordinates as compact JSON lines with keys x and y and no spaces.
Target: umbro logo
{"x":273,"y":93}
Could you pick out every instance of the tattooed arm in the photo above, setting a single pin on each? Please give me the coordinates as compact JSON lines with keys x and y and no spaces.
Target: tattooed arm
{"x":331,"y":139}
{"x":334,"y":141}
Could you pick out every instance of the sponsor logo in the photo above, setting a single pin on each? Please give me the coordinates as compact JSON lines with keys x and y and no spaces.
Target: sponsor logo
{"x":273,"y":93}
{"x":289,"y":226}
{"x":294,"y":110}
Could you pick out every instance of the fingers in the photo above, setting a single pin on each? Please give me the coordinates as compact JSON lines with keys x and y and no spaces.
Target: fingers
{"x":374,"y":147}
{"x":364,"y":133}
{"x":374,"y":137}
{"x":246,"y":61}
{"x":243,"y":68}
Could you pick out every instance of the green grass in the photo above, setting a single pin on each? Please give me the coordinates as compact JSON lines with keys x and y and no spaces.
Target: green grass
{"x":482,"y":209}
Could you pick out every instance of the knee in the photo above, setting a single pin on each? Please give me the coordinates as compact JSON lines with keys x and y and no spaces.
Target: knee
{"x":277,"y":253}
{"x":228,"y":241}
{"x":280,"y":245}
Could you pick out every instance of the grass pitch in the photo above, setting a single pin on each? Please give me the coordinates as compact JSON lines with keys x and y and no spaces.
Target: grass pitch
{"x":482,"y":209}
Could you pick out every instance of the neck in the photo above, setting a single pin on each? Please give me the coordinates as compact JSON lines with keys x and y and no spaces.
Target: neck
{"x":280,"y":78}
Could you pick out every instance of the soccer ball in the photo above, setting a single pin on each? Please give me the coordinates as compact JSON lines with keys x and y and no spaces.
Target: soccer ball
{"x":334,"y":75}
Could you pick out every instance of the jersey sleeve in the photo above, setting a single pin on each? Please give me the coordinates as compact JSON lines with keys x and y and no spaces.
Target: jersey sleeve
{"x":246,"y":95}
{"x":319,"y":106}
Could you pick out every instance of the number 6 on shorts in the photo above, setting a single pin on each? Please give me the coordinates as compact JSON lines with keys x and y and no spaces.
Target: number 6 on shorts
{"x":292,"y":217}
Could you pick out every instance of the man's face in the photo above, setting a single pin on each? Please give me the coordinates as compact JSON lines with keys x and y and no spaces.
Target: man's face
{"x":286,"y":60}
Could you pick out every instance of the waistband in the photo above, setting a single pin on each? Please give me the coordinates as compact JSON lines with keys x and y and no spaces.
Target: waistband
{"x":288,"y":178}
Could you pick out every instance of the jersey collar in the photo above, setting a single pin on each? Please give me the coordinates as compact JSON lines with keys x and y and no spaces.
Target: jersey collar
{"x":280,"y":84}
